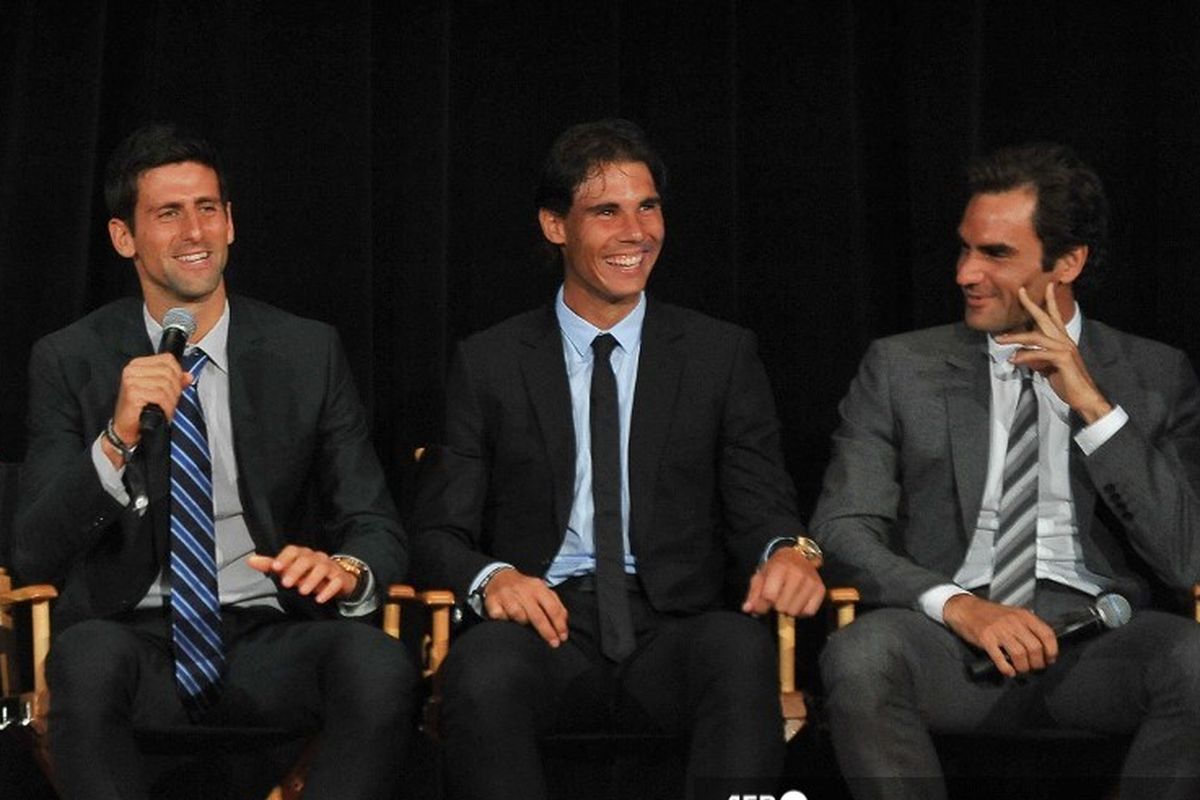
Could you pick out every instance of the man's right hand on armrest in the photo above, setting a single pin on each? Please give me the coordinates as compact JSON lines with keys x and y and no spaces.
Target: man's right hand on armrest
{"x":527,"y":600}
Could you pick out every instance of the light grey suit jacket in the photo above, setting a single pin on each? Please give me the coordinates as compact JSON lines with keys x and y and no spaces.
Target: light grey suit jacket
{"x":902,"y":493}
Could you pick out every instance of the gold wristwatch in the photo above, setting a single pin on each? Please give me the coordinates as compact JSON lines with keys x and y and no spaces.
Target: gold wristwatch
{"x":809,"y":549}
{"x":355,"y":568}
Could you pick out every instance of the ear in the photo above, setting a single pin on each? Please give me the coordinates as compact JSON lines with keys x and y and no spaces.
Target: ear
{"x":553,"y":226}
{"x":1070,"y":264}
{"x":122,"y":238}
{"x":229,"y":219}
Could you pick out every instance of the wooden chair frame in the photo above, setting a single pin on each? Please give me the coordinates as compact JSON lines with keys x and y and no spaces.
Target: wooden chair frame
{"x":28,"y":708}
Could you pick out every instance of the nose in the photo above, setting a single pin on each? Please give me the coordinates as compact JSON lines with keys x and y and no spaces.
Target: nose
{"x":969,"y":270}
{"x":633,"y":230}
{"x":191,"y":224}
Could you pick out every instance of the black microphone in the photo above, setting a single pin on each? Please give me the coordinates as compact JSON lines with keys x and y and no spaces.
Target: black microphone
{"x":1108,"y":612}
{"x":178,"y":327}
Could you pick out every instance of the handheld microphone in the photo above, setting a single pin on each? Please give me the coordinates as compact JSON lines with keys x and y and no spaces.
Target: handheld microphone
{"x":1108,"y":612}
{"x":178,"y":327}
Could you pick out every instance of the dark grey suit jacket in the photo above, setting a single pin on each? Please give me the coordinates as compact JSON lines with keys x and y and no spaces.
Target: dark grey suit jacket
{"x":706,"y":473}
{"x":902,"y":493}
{"x":300,"y":440}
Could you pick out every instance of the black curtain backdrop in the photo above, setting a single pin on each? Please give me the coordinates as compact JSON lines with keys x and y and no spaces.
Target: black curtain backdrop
{"x":382,"y":160}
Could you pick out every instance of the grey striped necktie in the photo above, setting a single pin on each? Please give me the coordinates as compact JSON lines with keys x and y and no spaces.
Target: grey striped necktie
{"x":1014,"y":558}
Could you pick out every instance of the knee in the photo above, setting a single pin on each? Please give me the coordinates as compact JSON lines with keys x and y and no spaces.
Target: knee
{"x":376,"y":677}
{"x":1179,"y":668}
{"x":490,"y":667}
{"x":93,"y":669}
{"x":865,"y":660}
{"x":93,"y":657}
{"x":735,"y":653}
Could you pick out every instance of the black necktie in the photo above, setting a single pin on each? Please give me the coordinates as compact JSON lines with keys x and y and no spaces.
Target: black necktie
{"x":616,"y":625}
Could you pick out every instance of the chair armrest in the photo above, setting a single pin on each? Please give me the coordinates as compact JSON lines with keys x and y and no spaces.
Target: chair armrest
{"x":842,"y":601}
{"x":37,"y":597}
{"x":440,"y":602}
{"x":396,"y":594}
{"x":28,"y":594}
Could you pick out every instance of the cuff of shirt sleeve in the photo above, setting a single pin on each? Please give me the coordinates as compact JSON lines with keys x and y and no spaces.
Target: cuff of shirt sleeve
{"x":932,"y":601}
{"x":368,"y":600}
{"x":1093,"y":436}
{"x":474,"y":595}
{"x":110,"y":477}
{"x":773,"y":545}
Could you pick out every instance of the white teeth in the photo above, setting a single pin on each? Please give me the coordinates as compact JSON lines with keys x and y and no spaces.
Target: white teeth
{"x":192,"y":258}
{"x":624,"y":261}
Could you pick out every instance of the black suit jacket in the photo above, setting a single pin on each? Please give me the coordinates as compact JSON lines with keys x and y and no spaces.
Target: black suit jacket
{"x":706,"y":474}
{"x":300,"y":440}
{"x":903,"y":489}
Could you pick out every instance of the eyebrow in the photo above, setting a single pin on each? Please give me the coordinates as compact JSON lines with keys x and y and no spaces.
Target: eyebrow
{"x":654,"y":200}
{"x":993,"y":249}
{"x":181,"y":203}
{"x":997,"y":249}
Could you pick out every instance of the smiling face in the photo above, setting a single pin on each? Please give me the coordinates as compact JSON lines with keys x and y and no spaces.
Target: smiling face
{"x":179,"y":240}
{"x":610,"y":238}
{"x":1000,"y":253}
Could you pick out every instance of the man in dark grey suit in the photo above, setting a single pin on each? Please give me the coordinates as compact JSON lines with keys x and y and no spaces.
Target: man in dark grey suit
{"x":974,"y":541}
{"x":276,"y":431}
{"x":605,"y":456}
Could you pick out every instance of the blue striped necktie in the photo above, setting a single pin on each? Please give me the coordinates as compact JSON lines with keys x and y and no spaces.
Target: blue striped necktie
{"x":1014,"y":560}
{"x":195,"y":606}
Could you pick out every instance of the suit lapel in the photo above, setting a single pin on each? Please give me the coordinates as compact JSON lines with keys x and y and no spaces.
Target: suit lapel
{"x":968,"y":399}
{"x":250,"y":368}
{"x":545,"y":375}
{"x":660,"y":365}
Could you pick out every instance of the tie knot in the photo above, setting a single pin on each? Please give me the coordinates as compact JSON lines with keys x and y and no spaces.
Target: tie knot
{"x":194,"y":361}
{"x":603,"y":345}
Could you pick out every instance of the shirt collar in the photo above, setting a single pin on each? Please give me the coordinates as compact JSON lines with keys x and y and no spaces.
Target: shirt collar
{"x":214,"y":344}
{"x":1001,"y":353}
{"x":580,"y":333}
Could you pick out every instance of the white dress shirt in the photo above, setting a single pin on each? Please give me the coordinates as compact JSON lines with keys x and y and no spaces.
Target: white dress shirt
{"x":1059,"y":552}
{"x":237,"y":582}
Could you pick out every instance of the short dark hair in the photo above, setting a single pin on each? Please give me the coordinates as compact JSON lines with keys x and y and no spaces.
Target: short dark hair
{"x":1071,"y":209}
{"x":148,"y":147}
{"x":581,"y":150}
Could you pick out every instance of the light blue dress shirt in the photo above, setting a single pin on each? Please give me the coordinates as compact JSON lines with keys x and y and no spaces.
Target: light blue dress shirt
{"x":577,"y":556}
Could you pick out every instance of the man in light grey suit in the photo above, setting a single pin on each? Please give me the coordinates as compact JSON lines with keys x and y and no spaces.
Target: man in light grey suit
{"x":921,"y":508}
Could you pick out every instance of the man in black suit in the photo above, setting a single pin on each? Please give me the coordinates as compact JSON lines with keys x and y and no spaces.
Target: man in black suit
{"x":105,"y":503}
{"x":586,"y":502}
{"x":975,"y":532}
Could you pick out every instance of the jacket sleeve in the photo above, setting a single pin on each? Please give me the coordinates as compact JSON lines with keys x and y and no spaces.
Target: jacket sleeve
{"x":63,"y":510}
{"x":1148,"y":473}
{"x":862,"y":496}
{"x":452,"y":490}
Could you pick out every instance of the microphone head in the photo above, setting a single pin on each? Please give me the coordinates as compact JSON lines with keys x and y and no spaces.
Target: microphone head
{"x":1113,"y":610}
{"x":181,"y":320}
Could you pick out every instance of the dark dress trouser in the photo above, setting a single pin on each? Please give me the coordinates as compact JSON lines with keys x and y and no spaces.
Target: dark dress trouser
{"x":344,"y":678}
{"x":709,"y":677}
